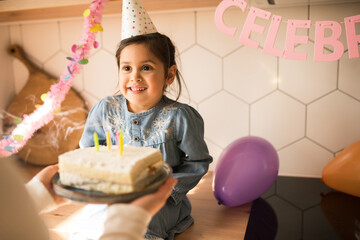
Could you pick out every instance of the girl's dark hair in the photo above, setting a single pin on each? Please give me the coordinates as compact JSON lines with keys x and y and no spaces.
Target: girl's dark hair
{"x":161,"y":46}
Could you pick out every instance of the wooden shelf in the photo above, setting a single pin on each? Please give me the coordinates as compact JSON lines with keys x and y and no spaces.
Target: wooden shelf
{"x":24,"y":10}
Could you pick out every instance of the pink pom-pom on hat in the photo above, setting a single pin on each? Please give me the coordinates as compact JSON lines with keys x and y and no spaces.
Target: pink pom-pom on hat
{"x":135,"y":20}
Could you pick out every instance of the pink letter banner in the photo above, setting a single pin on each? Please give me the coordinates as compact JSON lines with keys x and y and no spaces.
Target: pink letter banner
{"x":322,"y":41}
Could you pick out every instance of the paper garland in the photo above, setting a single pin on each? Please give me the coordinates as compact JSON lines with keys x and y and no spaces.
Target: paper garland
{"x":27,"y":126}
{"x":292,"y":39}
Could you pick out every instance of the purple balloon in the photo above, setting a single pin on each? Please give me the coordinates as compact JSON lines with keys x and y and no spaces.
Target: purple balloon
{"x":246,"y":169}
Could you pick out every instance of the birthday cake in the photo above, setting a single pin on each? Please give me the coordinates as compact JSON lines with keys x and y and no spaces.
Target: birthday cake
{"x":109,"y":171}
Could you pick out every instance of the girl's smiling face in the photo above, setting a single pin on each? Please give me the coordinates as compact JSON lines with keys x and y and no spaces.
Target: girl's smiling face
{"x":142,"y":77}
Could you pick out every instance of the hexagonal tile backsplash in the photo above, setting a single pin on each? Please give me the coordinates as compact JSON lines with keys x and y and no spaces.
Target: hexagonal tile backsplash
{"x":308,"y":111}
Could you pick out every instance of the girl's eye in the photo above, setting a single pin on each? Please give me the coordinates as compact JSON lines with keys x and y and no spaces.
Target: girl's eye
{"x":126,"y":68}
{"x":147,"y":68}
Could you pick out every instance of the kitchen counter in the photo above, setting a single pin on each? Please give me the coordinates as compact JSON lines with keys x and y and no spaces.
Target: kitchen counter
{"x":293,"y":208}
{"x":212,"y":221}
{"x":297,"y":208}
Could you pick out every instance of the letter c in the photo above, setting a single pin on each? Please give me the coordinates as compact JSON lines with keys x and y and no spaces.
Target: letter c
{"x":225,"y":4}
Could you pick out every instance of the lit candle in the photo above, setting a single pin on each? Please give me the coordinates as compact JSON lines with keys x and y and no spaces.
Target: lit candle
{"x":96,"y":141}
{"x":108,"y":143}
{"x":121,"y":143}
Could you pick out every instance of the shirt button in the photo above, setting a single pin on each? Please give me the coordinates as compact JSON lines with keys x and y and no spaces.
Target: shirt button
{"x":136,"y":139}
{"x":136,"y":122}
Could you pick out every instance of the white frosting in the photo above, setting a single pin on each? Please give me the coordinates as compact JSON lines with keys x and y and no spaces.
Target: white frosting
{"x":106,"y":170}
{"x":110,"y":160}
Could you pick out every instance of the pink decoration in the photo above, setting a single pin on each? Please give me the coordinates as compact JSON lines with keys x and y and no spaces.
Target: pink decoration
{"x":44,"y":114}
{"x":292,"y":39}
{"x":250,"y":26}
{"x":352,"y":38}
{"x":333,"y":40}
{"x":219,"y":13}
{"x":271,"y":36}
{"x":73,"y":48}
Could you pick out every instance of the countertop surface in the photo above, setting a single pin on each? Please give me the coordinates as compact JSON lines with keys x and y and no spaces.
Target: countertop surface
{"x":297,"y":208}
{"x":212,"y":221}
{"x":294,"y":208}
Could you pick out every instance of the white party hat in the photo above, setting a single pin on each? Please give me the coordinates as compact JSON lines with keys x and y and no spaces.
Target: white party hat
{"x":135,"y":20}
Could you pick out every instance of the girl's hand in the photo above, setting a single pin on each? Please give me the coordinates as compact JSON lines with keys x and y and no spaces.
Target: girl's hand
{"x":45,"y":176}
{"x":153,"y":202}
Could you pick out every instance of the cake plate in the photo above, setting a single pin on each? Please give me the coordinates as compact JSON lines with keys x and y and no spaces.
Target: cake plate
{"x":81,"y":195}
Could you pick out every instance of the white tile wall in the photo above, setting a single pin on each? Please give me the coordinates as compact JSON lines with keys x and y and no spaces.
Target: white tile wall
{"x":309,"y":111}
{"x":243,"y":78}
{"x":307,"y":80}
{"x":278,"y":118}
{"x":180,"y":27}
{"x":41,"y":40}
{"x":211,"y":38}
{"x":349,"y":73}
{"x":110,"y":38}
{"x":70,"y":33}
{"x":205,"y":79}
{"x":333,"y":121}
{"x":304,"y":158}
{"x":226,"y":118}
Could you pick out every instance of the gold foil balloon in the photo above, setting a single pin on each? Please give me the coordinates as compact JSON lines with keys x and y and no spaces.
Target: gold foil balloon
{"x":343,"y":172}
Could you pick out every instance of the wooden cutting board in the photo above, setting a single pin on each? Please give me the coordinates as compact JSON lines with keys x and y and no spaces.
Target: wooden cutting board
{"x":62,"y":133}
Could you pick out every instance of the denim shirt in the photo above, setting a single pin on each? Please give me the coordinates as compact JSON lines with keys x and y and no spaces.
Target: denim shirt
{"x":177,"y":130}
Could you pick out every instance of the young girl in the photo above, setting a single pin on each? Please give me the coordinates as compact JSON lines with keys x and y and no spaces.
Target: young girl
{"x":148,"y":118}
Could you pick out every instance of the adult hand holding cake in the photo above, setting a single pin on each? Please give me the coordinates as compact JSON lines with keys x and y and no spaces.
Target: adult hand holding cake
{"x":155,"y":201}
